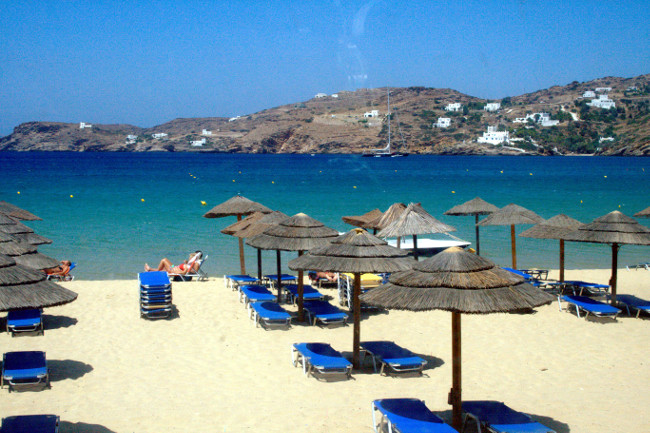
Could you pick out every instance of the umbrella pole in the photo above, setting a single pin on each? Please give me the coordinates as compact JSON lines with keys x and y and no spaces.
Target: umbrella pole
{"x":399,"y":241}
{"x":561,"y":260}
{"x":301,"y":313}
{"x":455,"y":398}
{"x":259,"y":264}
{"x":279,"y":274}
{"x":415,"y":247}
{"x":513,"y":243}
{"x":478,"y":244}
{"x":356,"y":306}
{"x":242,"y":263}
{"x":612,"y":281}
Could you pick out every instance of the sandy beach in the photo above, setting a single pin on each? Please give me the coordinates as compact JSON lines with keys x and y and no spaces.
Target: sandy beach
{"x":209,"y":369}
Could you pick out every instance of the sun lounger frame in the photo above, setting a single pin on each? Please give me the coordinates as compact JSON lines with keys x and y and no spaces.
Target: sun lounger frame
{"x":266,"y":322}
{"x":494,"y":428}
{"x":315,"y":319}
{"x":393,"y":367}
{"x":12,"y":384}
{"x":571,"y":299}
{"x":318,"y":371}
{"x":15,"y":329}
{"x":387,"y":421}
{"x":234,"y":282}
{"x":293,"y":297}
{"x":631,"y":302}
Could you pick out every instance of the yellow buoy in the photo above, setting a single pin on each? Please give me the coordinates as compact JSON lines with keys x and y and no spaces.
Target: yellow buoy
{"x":502,"y":171}
{"x":272,"y":181}
{"x":203,"y":203}
{"x":233,"y":180}
{"x":604,"y":176}
{"x":530,"y":174}
{"x":142,"y":200}
{"x":580,"y":201}
{"x":453,"y":192}
{"x":71,"y":196}
{"x":18,"y":192}
{"x":355,"y":187}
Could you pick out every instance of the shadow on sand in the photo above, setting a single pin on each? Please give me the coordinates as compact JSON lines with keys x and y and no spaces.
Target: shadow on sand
{"x":67,"y":369}
{"x":58,"y":322}
{"x":82,"y":427}
{"x":557,"y":426}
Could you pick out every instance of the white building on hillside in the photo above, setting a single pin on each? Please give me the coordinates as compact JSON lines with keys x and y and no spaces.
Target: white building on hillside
{"x":130,"y":139}
{"x":543,"y":119}
{"x":232,"y":119}
{"x":198,"y":143}
{"x":589,"y":94}
{"x":492,"y":106}
{"x":603,"y":89}
{"x":372,"y":113}
{"x":456,"y":106}
{"x":603,"y":102}
{"x":159,"y":135}
{"x":492,"y":136}
{"x":443,"y":122}
{"x":335,"y":95}
{"x":83,"y":125}
{"x":321,"y":95}
{"x":206,"y":132}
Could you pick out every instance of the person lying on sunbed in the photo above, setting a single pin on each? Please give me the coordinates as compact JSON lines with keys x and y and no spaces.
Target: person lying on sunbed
{"x":62,"y":269}
{"x":191,"y":264}
{"x":329,"y":276}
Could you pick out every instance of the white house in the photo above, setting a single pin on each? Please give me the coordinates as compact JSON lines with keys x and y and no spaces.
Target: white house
{"x":443,"y":122}
{"x":603,"y":102}
{"x":130,"y":139}
{"x":543,"y":119}
{"x":603,"y":89}
{"x":492,"y":136}
{"x":456,"y":106}
{"x":159,"y":135}
{"x":321,"y":95}
{"x":232,"y":119}
{"x":83,"y":125}
{"x":601,"y":139}
{"x":492,"y":106}
{"x":335,"y":95}
{"x":206,"y":132}
{"x":373,"y":113}
{"x":198,"y":143}
{"x":589,"y":94}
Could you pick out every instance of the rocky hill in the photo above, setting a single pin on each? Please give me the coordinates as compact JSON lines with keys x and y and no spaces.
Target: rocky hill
{"x":558,"y":120}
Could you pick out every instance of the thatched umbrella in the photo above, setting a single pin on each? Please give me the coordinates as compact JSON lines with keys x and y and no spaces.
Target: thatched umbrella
{"x":22,"y":288}
{"x":645,"y":213}
{"x":25,"y":254}
{"x":414,"y":221}
{"x":554,"y":228}
{"x":237,"y":206}
{"x":238,"y":225}
{"x":391,"y":214}
{"x":616,"y":229}
{"x":461,"y":282}
{"x":16,"y":212}
{"x":298,"y":233}
{"x":363,"y":220}
{"x":477,"y":206}
{"x":357,"y":252}
{"x":511,"y":215}
{"x":257,"y":226}
{"x":20,"y":231}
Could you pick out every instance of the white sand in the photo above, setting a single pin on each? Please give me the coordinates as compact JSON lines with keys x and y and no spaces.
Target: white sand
{"x":212,"y":370}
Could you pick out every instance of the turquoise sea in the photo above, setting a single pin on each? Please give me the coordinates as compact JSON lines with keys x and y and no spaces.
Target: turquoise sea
{"x":112,"y":212}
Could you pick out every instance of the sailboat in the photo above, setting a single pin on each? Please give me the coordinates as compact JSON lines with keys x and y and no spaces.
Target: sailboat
{"x":386,"y":151}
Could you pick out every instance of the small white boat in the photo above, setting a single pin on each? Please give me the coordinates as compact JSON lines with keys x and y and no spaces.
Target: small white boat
{"x":426,"y":246}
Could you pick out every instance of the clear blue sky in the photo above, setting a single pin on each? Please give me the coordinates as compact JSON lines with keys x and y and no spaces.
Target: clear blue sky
{"x":148,"y":62}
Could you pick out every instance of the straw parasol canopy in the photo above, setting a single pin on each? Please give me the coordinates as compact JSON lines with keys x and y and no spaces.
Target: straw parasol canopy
{"x":298,"y":233}
{"x":458,"y":281}
{"x":363,"y":220}
{"x":476,"y":206}
{"x":554,"y":228}
{"x":511,"y":215}
{"x":414,"y":221}
{"x":25,"y":254}
{"x":645,"y":213}
{"x":615,"y":229}
{"x":22,"y":288}
{"x":16,"y":212}
{"x":237,"y":206}
{"x":391,"y":214}
{"x":238,"y":225}
{"x":357,"y":252}
{"x":20,"y":231}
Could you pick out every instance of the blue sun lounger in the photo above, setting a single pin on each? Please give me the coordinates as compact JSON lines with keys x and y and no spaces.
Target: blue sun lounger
{"x":255,"y":294}
{"x":308,"y":293}
{"x":320,"y":360}
{"x":30,"y":424}
{"x":591,"y":306}
{"x":406,"y":415}
{"x":496,"y":417}
{"x":396,"y":358}
{"x":270,"y":315}
{"x":234,"y":282}
{"x":324,"y":313}
{"x":155,"y":295}
{"x":24,"y":369}
{"x":25,"y":321}
{"x":579,"y":287}
{"x":632,"y":302}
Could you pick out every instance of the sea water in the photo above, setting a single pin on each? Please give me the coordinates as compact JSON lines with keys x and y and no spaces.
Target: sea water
{"x":112,"y":212}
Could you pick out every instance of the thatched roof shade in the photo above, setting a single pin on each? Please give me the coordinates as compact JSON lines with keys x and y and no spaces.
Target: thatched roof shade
{"x":476,"y":206}
{"x":16,"y":212}
{"x":391,"y":214}
{"x":553,"y":228}
{"x":458,"y":281}
{"x":12,"y":248}
{"x":6,"y":219}
{"x":22,"y":288}
{"x":32,"y":238}
{"x":363,"y":220}
{"x":511,"y":215}
{"x":238,"y":225}
{"x":613,"y":228}
{"x":259,"y":226}
{"x":644,"y":213}
{"x":15,"y":228}
{"x":356,"y":251}
{"x":298,"y":233}
{"x":414,"y":221}
{"x":237,"y":205}
{"x":36,"y":260}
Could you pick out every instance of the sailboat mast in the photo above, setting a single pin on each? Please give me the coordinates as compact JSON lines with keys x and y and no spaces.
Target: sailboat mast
{"x":388,"y":91}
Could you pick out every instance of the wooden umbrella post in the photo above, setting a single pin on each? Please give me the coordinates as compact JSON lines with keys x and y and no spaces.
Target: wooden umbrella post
{"x":356,"y":306}
{"x":612,"y":281}
{"x":415,"y":247}
{"x":478,"y":243}
{"x":259,"y":264}
{"x":455,"y":395}
{"x":242,"y":262}
{"x":561,"y":260}
{"x":279,"y":270}
{"x":513,"y":243}
{"x":301,"y":313}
